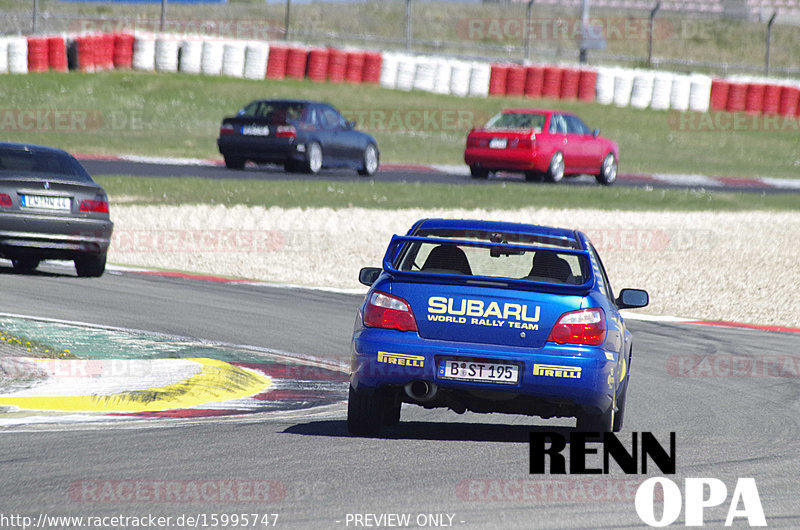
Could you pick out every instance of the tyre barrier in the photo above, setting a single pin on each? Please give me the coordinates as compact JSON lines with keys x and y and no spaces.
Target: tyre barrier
{"x":259,"y":60}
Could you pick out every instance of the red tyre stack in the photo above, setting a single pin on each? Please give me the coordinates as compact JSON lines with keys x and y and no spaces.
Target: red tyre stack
{"x":719,"y":94}
{"x":38,"y":54}
{"x":372,"y":67}
{"x":85,"y":45}
{"x":515,"y":81}
{"x":754,"y":98}
{"x":354,"y":69}
{"x":296,"y":63}
{"x":318,"y":64}
{"x":534,"y":77}
{"x":772,"y":99}
{"x":587,"y":85}
{"x":57,"y":53}
{"x":737,"y":96}
{"x":337,"y":65}
{"x":498,"y":79}
{"x":551,"y":86}
{"x":569,"y":84}
{"x":104,"y":52}
{"x":276,"y":62}
{"x":123,"y":50}
{"x":789,"y":101}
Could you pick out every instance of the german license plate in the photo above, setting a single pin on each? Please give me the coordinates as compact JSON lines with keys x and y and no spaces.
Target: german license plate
{"x":255,"y":130}
{"x":45,"y":202}
{"x":498,"y":143}
{"x":479,"y":371}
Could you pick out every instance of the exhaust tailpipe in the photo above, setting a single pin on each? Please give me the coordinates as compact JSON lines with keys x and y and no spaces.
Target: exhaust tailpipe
{"x":421,"y":390}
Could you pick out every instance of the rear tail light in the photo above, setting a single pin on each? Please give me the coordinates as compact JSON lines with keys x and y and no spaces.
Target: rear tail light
{"x":390,"y":312}
{"x":586,"y":326}
{"x":94,"y":206}
{"x":286,"y":131}
{"x":225,"y":128}
{"x":5,"y":200}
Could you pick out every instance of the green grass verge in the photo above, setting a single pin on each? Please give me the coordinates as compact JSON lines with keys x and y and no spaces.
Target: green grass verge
{"x":179,"y":115}
{"x":391,"y":195}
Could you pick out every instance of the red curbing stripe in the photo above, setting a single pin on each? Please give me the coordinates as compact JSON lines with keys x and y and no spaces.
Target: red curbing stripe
{"x":726,"y":324}
{"x":741,"y":182}
{"x":187,"y":276}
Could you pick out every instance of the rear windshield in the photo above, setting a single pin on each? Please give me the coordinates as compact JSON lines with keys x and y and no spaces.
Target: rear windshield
{"x":21,"y":163}
{"x":552,"y":263}
{"x":517,"y":120}
{"x":275,"y":112}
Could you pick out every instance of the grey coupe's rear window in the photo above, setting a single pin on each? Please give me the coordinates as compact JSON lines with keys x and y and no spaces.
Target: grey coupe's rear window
{"x":550,"y":263}
{"x":21,"y":162}
{"x":517,"y":120}
{"x":275,"y":112}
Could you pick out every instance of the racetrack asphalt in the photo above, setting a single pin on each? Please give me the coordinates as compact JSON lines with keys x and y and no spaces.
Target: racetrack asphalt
{"x":154,"y":167}
{"x":473,"y":467}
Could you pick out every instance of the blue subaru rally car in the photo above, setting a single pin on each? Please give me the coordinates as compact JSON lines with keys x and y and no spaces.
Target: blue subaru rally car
{"x":491,"y":317}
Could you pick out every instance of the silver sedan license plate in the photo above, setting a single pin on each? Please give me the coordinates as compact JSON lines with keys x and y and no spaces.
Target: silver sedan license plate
{"x":44,"y":202}
{"x":479,"y":371}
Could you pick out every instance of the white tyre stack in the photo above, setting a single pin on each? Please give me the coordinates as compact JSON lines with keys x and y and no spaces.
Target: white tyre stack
{"x":460,"y":72}
{"x":425,"y":74}
{"x":699,"y":92}
{"x":144,"y":52}
{"x":233,"y":56}
{"x":167,"y":54}
{"x":679,"y":95}
{"x":211,"y":61}
{"x":191,"y":56}
{"x":479,"y":78}
{"x":444,"y":70}
{"x":662,"y":88}
{"x":623,"y":86}
{"x":406,"y":70}
{"x":3,"y":55}
{"x":255,"y":60}
{"x":18,"y":55}
{"x":604,"y":87}
{"x":389,"y":65}
{"x":642,"y":92}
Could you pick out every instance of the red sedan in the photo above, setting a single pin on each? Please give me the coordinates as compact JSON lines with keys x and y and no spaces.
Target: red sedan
{"x":541,"y":143}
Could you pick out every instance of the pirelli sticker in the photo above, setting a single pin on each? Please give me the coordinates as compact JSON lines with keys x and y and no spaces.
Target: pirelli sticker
{"x":555,"y":370}
{"x":401,"y":359}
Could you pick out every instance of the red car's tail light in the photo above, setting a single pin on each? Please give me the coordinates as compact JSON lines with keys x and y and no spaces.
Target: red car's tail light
{"x":94,"y":206}
{"x":5,"y":200}
{"x":286,"y":131}
{"x":391,"y":312}
{"x":585,"y":326}
{"x":225,"y":129}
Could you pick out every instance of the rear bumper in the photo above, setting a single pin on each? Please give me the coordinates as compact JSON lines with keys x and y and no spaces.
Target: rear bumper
{"x":261,"y":149}
{"x":574,"y":377}
{"x":52,"y":237}
{"x":504,"y":159}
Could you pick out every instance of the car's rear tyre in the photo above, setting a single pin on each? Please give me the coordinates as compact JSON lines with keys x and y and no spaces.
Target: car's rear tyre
{"x":602,"y":422}
{"x":533,"y":176}
{"x":313,"y":158}
{"x":608,"y":171}
{"x":91,"y":266}
{"x":391,"y":412}
{"x":478,"y":172}
{"x":369,"y":161}
{"x":234,"y":162}
{"x":365,"y":413}
{"x":24,"y":264}
{"x":555,"y":171}
{"x":290,"y":166}
{"x":619,"y":416}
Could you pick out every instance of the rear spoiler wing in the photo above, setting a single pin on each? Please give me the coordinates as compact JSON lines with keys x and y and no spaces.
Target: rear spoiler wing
{"x":398,"y":244}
